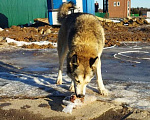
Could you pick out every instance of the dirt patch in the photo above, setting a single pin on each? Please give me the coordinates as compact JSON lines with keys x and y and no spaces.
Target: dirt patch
{"x":25,"y":115}
{"x":114,"y":33}
{"x":112,"y":114}
{"x":116,"y":113}
{"x":32,"y":34}
{"x":35,"y":46}
{"x":51,"y":109}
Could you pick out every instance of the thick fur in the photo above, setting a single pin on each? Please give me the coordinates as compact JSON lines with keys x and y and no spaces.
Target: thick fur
{"x":81,"y":38}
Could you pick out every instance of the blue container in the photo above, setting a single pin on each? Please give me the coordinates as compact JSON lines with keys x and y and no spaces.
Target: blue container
{"x":85,"y":6}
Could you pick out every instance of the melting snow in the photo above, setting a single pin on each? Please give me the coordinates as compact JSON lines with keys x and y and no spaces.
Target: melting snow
{"x":21,"y":43}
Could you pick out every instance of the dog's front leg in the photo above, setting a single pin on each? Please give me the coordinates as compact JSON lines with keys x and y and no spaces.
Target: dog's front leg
{"x":59,"y":78}
{"x":72,"y":87}
{"x":101,"y":86}
{"x":62,"y":55}
{"x":61,"y":62}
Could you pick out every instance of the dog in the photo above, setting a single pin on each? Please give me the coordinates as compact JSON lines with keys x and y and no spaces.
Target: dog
{"x":80,"y":39}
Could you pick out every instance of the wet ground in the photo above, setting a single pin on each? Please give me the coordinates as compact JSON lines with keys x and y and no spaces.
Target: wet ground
{"x":31,"y":74}
{"x":28,"y":76}
{"x":127,"y":66}
{"x":131,"y":62}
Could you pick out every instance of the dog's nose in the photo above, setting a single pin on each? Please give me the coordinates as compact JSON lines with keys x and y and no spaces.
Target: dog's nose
{"x":80,"y":96}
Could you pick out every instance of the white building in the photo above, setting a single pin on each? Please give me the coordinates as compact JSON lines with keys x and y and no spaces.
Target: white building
{"x":148,"y":14}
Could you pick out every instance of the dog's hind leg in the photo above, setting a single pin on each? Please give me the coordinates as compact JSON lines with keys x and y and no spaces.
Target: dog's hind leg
{"x":101,"y":86}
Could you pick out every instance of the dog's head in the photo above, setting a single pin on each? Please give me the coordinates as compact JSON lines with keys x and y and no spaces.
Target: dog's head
{"x":81,"y":70}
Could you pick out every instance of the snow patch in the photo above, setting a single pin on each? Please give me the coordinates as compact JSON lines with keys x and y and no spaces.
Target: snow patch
{"x":115,"y":21}
{"x":148,"y":20}
{"x":21,"y":43}
{"x":1,"y":29}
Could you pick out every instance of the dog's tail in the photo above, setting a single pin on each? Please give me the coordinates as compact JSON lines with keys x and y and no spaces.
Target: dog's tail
{"x":63,"y":11}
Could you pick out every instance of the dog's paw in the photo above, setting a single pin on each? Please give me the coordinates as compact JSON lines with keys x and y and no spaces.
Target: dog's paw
{"x":59,"y":82}
{"x":71,"y":88}
{"x":104,"y":92}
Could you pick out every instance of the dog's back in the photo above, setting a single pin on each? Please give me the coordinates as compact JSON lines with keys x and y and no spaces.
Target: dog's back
{"x":80,"y":28}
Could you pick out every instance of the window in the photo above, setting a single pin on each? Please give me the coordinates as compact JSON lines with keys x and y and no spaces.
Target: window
{"x":128,"y":3}
{"x":118,"y":3}
{"x":128,"y":13}
{"x":114,"y":3}
{"x":105,"y":6}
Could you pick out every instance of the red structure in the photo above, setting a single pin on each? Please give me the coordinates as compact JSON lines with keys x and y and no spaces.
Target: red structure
{"x":117,"y":8}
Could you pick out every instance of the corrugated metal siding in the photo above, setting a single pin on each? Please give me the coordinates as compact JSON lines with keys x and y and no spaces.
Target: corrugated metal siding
{"x":90,"y":7}
{"x":18,"y":12}
{"x":57,"y":3}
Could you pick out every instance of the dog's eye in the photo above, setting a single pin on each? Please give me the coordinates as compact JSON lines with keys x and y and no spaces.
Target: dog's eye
{"x":75,"y":66}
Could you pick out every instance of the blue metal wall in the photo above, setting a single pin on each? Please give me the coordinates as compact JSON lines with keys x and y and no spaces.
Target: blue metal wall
{"x":53,"y":4}
{"x":84,"y":6}
{"x":74,"y":1}
{"x":57,"y":3}
{"x":88,"y":7}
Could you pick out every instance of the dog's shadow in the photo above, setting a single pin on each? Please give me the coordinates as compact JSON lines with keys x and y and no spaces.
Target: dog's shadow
{"x":56,"y":93}
{"x":55,"y":103}
{"x":93,"y":89}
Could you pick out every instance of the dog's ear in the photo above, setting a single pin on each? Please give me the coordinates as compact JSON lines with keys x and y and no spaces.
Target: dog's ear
{"x":74,"y":60}
{"x":92,"y":61}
